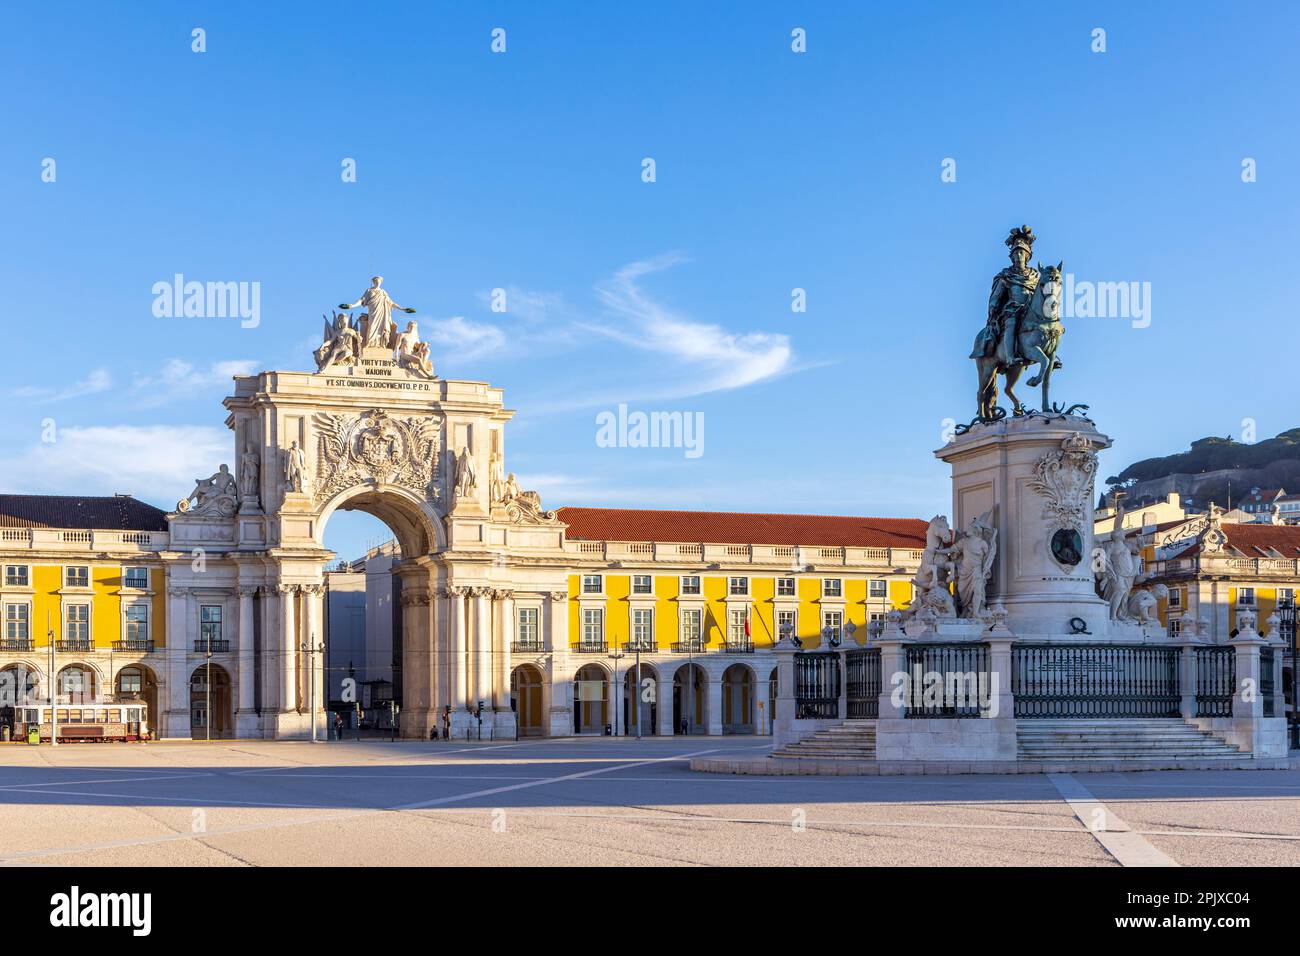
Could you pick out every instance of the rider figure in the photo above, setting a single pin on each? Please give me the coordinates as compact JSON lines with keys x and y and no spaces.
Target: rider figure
{"x":1013,"y":288}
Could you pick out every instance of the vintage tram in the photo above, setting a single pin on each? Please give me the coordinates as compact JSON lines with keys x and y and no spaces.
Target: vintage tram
{"x":107,"y":721}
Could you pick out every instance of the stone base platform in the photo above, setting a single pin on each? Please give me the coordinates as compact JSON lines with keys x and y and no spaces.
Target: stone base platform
{"x":776,"y":766}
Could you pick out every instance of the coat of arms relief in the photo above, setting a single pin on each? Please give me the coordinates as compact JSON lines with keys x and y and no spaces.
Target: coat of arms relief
{"x":377,"y":447}
{"x":1065,"y":480}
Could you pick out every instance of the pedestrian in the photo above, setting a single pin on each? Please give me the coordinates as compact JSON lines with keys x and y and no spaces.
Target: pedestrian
{"x":338,"y":725}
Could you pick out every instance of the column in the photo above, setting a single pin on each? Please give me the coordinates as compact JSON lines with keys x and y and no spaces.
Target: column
{"x":459,"y":677}
{"x":269,"y":671}
{"x":288,"y":663}
{"x":665,"y":704}
{"x":713,"y":704}
{"x":246,"y":678}
{"x":314,"y":658}
{"x":506,"y":612}
{"x":176,"y":720}
{"x":482,"y":647}
{"x":556,"y":640}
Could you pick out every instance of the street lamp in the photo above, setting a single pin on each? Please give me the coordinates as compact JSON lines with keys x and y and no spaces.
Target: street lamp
{"x":311,"y":648}
{"x":54,"y":688}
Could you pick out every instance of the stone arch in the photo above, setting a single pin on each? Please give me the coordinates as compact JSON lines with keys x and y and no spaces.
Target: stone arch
{"x":148,"y":690}
{"x":85,"y":695}
{"x":647,"y":713}
{"x":591,"y":698}
{"x":690,"y":699}
{"x":739,"y":696}
{"x":415,"y":523}
{"x":527,"y":696}
{"x":21,"y":681}
{"x":220,"y":718}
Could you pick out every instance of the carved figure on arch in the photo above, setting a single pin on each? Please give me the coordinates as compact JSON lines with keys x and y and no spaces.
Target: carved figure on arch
{"x":214,"y":495}
{"x":342,"y":344}
{"x":295,"y":468}
{"x":466,"y":481}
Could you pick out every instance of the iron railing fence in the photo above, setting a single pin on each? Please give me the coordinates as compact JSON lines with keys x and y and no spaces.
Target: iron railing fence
{"x":816,"y":685}
{"x":963,"y":678}
{"x":1216,"y":681}
{"x":862,"y":683}
{"x":1095,"y":680}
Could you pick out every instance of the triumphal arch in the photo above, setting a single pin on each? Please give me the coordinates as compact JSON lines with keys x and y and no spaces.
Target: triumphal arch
{"x":372,"y":429}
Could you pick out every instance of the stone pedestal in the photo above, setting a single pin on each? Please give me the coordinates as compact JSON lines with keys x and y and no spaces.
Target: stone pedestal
{"x":1036,"y":474}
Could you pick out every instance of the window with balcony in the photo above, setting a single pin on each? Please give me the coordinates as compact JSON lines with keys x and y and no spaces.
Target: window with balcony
{"x":16,"y":576}
{"x":785,"y":587}
{"x":878,"y":588}
{"x":593,"y":629}
{"x":591,"y":584}
{"x":17,"y":622}
{"x":691,"y":628}
{"x":137,"y":578}
{"x":210,"y":628}
{"x":137,"y":622}
{"x":738,"y":631}
{"x":738,"y":587}
{"x":76,"y":576}
{"x":642,"y":584}
{"x":691,"y":584}
{"x":643,"y":629}
{"x":527,"y":635}
{"x":787,"y":624}
{"x":832,"y":626}
{"x":832,"y":588}
{"x":76,"y":624}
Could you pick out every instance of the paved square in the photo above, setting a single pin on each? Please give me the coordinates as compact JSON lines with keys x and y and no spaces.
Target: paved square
{"x":606,"y":801}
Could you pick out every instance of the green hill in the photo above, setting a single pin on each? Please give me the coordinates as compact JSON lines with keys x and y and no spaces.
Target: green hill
{"x":1272,"y":463}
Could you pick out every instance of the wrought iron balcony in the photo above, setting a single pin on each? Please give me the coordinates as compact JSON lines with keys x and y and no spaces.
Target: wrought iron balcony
{"x":591,"y":647}
{"x":16,"y":644}
{"x":134,"y":647}
{"x":216,"y":647}
{"x":74,"y":647}
{"x":645,"y":647}
{"x":527,"y":647}
{"x":689,"y":647}
{"x":739,"y":647}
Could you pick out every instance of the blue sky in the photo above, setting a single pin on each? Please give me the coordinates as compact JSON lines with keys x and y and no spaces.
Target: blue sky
{"x":522,"y":171}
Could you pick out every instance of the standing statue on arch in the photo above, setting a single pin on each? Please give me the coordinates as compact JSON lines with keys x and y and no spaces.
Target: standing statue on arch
{"x":1023,"y":328}
{"x":378,"y":327}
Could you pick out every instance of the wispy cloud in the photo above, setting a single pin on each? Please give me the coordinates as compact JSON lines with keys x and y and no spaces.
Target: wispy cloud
{"x":156,"y":462}
{"x":460,"y":338}
{"x":707,"y":357}
{"x":177,"y":378}
{"x":99,"y":380}
{"x":527,"y":304}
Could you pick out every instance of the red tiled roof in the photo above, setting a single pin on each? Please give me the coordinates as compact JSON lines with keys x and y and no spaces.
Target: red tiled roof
{"x":725,"y":527}
{"x":1258,"y":541}
{"x":116,"y":513}
{"x":1266,"y":537}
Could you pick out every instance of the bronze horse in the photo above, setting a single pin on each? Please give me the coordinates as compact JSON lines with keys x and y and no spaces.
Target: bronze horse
{"x":1037,"y":338}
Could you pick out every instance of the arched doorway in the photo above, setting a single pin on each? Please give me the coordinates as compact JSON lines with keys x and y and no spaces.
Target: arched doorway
{"x":689,"y":685}
{"x":137,"y":682}
{"x":210,"y":702}
{"x":771,"y":702}
{"x":590,"y":700}
{"x":78,"y":684}
{"x":19,"y":684}
{"x":738,"y":700}
{"x":640,"y":706}
{"x":526,"y":684}
{"x":376,"y":618}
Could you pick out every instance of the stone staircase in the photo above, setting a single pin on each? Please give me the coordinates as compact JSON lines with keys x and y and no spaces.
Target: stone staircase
{"x":1143,"y":740}
{"x":851,"y":740}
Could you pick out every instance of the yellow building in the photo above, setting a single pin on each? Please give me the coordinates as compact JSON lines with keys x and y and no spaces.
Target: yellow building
{"x":82,"y":595}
